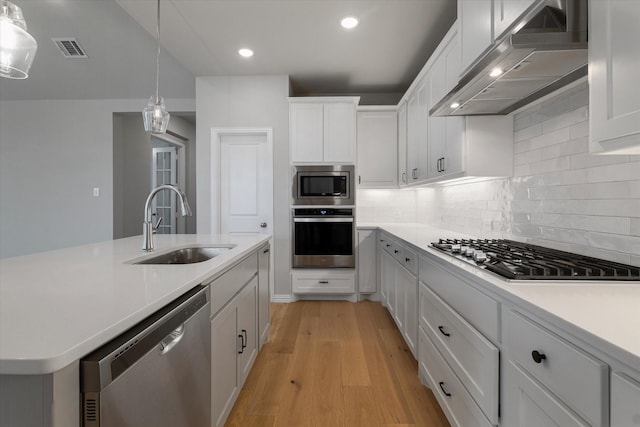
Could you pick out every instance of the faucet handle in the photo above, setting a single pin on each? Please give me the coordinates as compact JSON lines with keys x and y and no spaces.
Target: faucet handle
{"x":155,"y":227}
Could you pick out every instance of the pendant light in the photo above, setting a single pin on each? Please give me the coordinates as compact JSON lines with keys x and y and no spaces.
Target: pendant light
{"x":155,"y":116}
{"x":17,"y":46}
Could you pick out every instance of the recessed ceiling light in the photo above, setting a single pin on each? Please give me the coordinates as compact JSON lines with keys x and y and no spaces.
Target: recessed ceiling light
{"x":349,"y":22}
{"x":455,"y":105}
{"x":496,"y":72}
{"x":246,"y":53}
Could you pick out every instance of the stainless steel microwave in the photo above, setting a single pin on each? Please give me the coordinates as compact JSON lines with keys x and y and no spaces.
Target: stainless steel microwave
{"x":323,"y":185}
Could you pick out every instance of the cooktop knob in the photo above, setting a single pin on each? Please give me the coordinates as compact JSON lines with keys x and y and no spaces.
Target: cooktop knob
{"x":455,"y":248}
{"x":469,"y":252}
{"x":479,"y":257}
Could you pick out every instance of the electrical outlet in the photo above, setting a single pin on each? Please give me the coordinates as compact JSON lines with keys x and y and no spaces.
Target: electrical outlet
{"x":96,"y":191}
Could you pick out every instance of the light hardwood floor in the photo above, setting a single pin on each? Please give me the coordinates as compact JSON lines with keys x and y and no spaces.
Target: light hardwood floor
{"x":334,"y":364}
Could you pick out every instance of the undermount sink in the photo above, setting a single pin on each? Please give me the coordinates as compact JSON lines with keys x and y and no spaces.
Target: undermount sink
{"x":187,"y":255}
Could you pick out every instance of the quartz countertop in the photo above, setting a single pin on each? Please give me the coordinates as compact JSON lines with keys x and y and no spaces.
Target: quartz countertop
{"x":605,"y":314}
{"x":57,"y":306}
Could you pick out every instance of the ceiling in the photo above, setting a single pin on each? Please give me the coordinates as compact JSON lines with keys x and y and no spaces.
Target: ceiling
{"x":301,"y":38}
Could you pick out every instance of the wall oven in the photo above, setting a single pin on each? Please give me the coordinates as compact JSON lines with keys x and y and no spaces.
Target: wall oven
{"x":323,"y":185}
{"x":323,"y":238}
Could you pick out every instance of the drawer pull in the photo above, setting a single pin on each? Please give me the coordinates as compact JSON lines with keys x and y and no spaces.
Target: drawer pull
{"x":407,"y":260}
{"x":537,"y":356}
{"x":388,"y":245}
{"x":446,"y":393}
{"x":323,"y":282}
{"x":395,"y":251}
{"x":441,"y":328}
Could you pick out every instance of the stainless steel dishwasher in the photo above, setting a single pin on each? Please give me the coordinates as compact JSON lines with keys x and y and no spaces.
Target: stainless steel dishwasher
{"x":158,"y":373}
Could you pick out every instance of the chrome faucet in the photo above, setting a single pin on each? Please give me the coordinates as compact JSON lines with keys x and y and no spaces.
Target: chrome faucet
{"x":148,"y":229}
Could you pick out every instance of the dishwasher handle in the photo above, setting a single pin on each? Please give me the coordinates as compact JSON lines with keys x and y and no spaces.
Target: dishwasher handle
{"x":171,"y":340}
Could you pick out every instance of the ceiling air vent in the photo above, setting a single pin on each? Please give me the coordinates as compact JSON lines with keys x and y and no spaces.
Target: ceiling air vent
{"x":70,"y":48}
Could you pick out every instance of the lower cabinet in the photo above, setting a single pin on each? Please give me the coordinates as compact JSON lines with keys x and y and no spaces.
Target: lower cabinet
{"x":625,"y":401}
{"x":575,"y":379}
{"x":454,"y":399}
{"x":367,"y":272}
{"x":264,"y":294}
{"x":234,"y":346}
{"x":326,"y":281}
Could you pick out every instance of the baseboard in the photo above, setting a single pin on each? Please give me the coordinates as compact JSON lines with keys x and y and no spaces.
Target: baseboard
{"x":285,"y":298}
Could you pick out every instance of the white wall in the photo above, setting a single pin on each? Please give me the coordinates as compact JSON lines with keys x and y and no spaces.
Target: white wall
{"x":52,"y":155}
{"x":251,"y":101}
{"x":560,"y":195}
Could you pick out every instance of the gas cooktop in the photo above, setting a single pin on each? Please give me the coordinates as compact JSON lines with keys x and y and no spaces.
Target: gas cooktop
{"x":523,"y":261}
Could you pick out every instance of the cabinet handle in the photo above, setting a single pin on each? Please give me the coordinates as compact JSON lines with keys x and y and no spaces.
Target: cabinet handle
{"x":395,"y":251}
{"x":407,"y":259}
{"x":446,"y":393}
{"x":537,"y":356}
{"x":441,"y":328}
{"x":241,"y":344}
{"x":404,"y":177}
{"x":359,"y":179}
{"x":266,"y":251}
{"x":323,"y":282}
{"x":388,"y":245}
{"x":244,"y":338}
{"x":443,"y":165}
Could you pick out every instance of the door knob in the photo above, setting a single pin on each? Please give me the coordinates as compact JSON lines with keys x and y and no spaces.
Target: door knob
{"x":263,"y":225}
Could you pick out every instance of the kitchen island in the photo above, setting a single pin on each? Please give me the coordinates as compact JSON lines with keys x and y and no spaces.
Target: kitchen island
{"x":58,"y":306}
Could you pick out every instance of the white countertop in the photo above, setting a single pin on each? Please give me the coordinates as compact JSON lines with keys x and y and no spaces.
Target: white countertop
{"x":607,"y":314}
{"x":58,"y":306}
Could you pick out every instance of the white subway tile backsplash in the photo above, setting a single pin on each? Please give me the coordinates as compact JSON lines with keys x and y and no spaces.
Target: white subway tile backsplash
{"x":528,"y":133}
{"x":550,"y":165}
{"x":635,"y":228}
{"x":551,"y":138}
{"x":616,"y":172}
{"x":579,"y":130}
{"x":573,"y":146}
{"x":565,"y":120}
{"x":586,"y":160}
{"x":604,"y":190}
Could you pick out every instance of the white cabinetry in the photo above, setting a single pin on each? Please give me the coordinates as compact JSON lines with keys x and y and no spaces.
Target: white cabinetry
{"x":475,"y":23}
{"x":367,"y":272}
{"x":264,"y":293}
{"x":377,"y":147}
{"x":322,"y":130}
{"x":418,"y":133}
{"x":402,"y":144}
{"x":625,"y":401}
{"x":574,"y":380}
{"x":328,"y":281}
{"x":505,"y":13}
{"x":399,"y":285}
{"x":614,"y":67}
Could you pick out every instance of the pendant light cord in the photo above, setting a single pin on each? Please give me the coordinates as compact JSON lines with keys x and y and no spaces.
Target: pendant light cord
{"x":158,"y":54}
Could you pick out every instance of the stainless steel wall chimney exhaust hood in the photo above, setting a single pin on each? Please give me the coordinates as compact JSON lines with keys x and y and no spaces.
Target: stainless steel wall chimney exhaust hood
{"x":545,"y":49}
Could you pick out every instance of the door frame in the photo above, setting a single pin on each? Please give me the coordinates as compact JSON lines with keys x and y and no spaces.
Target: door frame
{"x":216,"y":136}
{"x":181,"y":179}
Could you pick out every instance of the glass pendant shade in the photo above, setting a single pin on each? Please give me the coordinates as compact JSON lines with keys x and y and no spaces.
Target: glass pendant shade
{"x":155,"y":116}
{"x":17,"y":46}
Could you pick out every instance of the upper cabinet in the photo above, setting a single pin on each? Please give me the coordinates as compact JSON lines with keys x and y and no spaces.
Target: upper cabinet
{"x":475,"y":19}
{"x":614,"y":67}
{"x":418,"y":132}
{"x":402,"y":144}
{"x":323,"y":130}
{"x":377,"y":147}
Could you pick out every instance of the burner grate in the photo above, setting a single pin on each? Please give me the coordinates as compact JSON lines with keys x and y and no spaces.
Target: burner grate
{"x":522,"y":261}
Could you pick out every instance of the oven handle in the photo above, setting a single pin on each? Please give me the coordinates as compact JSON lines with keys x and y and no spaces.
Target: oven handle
{"x":295,"y":219}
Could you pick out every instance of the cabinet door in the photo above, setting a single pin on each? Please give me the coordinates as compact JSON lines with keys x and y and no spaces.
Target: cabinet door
{"x":475,"y":23}
{"x":505,"y":12}
{"x":264,"y":294}
{"x":411,"y":321}
{"x":377,"y":148}
{"x":340,"y":132}
{"x":388,"y":280}
{"x":528,"y":404}
{"x":625,"y":395}
{"x":306,"y":132}
{"x":403,"y":281}
{"x":224,"y":352}
{"x":614,"y":67}
{"x":402,"y":145}
{"x":246,"y":332}
{"x":367,"y":261}
{"x":417,"y":133}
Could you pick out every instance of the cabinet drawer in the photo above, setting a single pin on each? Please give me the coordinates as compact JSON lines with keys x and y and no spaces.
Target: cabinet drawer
{"x":471,"y":356}
{"x":625,"y":396}
{"x":409,"y":259}
{"x":455,"y":401}
{"x":227,"y":285}
{"x":323,"y":283}
{"x":478,"y":309}
{"x":575,"y":377}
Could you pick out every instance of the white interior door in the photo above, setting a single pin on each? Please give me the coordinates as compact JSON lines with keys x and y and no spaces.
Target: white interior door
{"x":245,"y":180}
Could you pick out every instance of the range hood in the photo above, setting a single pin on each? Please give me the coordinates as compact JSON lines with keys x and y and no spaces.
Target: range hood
{"x":545,"y":49}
